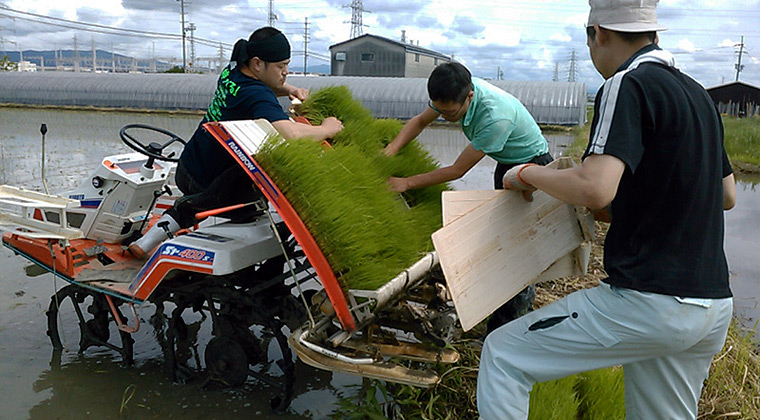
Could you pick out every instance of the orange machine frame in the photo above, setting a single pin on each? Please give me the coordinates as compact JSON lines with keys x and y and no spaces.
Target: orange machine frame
{"x":293,"y":222}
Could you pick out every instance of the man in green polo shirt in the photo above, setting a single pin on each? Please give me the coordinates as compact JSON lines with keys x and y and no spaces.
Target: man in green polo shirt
{"x":496,"y":124}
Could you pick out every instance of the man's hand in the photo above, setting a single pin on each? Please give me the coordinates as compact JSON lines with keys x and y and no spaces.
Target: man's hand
{"x":388,"y":150}
{"x":513,"y":181}
{"x":398,"y":185}
{"x":298,"y":93}
{"x":333,"y":126}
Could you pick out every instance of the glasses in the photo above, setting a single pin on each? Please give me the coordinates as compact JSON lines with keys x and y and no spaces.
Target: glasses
{"x":447,"y":114}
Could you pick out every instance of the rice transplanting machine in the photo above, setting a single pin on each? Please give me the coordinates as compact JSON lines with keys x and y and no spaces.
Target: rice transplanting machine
{"x":262,"y":279}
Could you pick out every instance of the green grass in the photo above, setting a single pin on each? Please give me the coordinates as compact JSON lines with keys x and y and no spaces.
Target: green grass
{"x":368,"y":233}
{"x":741,"y":140}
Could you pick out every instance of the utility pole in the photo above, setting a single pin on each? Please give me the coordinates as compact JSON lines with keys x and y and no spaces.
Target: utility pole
{"x":76,"y":55}
{"x":357,"y":8}
{"x":739,"y":67}
{"x":499,"y":73}
{"x":113,"y":61}
{"x":572,"y":72}
{"x":221,"y":58}
{"x":272,"y":15}
{"x":182,"y":15}
{"x":94,"y":57}
{"x":305,"y":42}
{"x":191,"y":28}
{"x":153,"y":62}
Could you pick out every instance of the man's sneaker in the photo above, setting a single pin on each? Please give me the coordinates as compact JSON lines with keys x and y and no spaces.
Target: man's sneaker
{"x":165,"y":228}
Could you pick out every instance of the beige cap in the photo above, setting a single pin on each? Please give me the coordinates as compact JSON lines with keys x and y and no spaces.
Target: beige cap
{"x":625,"y":15}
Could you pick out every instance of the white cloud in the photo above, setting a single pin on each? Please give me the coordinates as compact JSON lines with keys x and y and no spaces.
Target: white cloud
{"x":527,"y":35}
{"x":686,"y":45}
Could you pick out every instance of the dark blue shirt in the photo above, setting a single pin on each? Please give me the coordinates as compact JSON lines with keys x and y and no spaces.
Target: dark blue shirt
{"x":237,"y":97}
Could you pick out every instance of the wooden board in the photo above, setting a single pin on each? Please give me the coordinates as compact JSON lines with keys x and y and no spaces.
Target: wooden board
{"x":457,"y":203}
{"x":490,"y":253}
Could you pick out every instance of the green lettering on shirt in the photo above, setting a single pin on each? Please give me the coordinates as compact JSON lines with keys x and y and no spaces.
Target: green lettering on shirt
{"x":225,"y":88}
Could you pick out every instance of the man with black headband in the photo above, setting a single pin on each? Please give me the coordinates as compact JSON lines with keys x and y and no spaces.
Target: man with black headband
{"x":496,"y":124}
{"x":247,"y":89}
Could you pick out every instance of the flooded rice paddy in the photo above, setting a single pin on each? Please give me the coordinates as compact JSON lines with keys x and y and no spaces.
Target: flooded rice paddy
{"x":36,"y":383}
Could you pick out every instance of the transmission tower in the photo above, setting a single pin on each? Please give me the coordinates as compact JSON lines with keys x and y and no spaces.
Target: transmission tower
{"x":357,"y":8}
{"x":572,"y":72}
{"x":556,"y":72}
{"x":738,"y":66}
{"x":272,"y":15}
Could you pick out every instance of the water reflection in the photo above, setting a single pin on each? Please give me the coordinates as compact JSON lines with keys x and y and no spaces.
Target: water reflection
{"x":742,"y":250}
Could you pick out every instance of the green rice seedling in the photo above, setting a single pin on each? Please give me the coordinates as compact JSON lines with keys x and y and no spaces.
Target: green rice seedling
{"x":371,"y":401}
{"x":554,"y":400}
{"x":452,"y":398}
{"x":335,"y":101}
{"x":601,"y":394}
{"x":368,"y":233}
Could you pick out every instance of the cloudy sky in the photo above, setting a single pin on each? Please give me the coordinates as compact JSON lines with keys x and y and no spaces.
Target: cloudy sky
{"x":525,"y":39}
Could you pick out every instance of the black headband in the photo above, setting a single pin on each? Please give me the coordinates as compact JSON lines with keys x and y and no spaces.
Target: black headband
{"x":273,"y":49}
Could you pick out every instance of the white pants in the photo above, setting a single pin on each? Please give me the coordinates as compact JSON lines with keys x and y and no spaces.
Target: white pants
{"x":665,"y":345}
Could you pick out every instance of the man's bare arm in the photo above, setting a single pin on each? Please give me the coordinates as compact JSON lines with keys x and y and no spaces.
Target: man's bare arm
{"x":411,"y":130}
{"x":466,"y":160}
{"x":292,"y":130}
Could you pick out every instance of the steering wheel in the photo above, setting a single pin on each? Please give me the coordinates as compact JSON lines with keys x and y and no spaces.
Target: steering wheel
{"x":153,"y":150}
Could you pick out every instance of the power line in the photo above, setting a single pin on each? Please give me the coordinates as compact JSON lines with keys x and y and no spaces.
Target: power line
{"x":104,"y":29}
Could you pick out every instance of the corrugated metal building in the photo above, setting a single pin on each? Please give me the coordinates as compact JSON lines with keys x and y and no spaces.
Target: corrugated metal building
{"x":376,"y":56}
{"x":560,"y":103}
{"x":736,"y":98}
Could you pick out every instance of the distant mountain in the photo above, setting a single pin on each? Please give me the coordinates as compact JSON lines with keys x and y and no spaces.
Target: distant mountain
{"x":105,"y":59}
{"x":120,"y":62}
{"x":317,"y":69}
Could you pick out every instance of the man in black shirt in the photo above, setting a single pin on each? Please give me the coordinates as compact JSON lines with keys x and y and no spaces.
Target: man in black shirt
{"x":247,"y":89}
{"x":656,"y":159}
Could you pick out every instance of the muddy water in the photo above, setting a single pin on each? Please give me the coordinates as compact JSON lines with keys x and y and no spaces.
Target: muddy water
{"x":37,"y":384}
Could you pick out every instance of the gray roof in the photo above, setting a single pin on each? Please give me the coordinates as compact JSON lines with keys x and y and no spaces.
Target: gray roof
{"x":408,"y":47}
{"x":387,"y":97}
